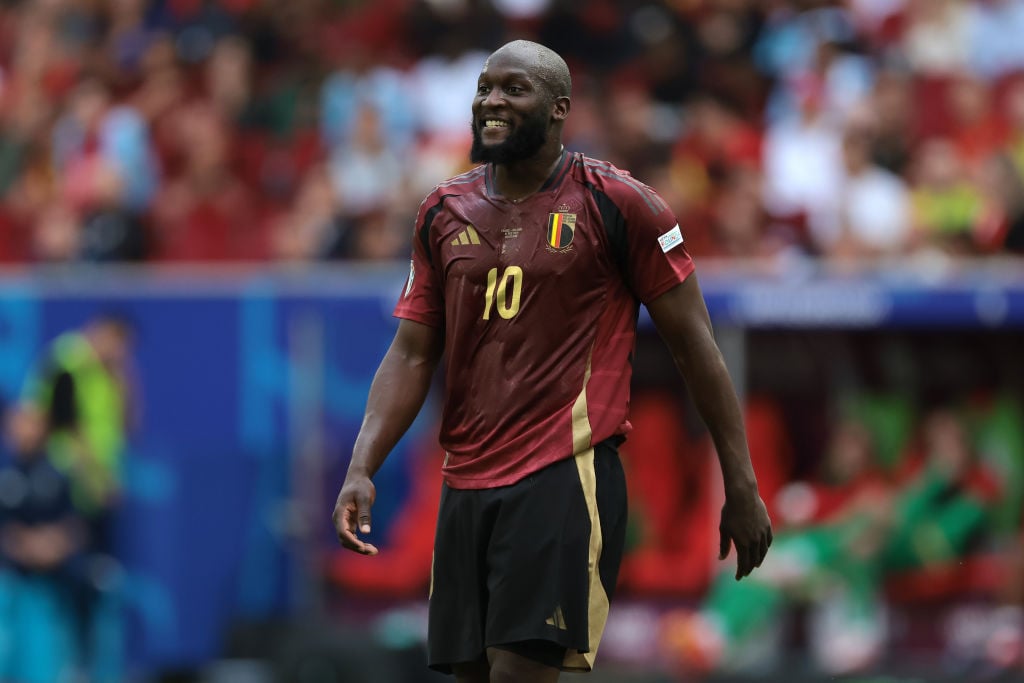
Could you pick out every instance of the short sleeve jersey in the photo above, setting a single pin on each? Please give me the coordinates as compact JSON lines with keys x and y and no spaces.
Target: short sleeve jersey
{"x":538,"y":299}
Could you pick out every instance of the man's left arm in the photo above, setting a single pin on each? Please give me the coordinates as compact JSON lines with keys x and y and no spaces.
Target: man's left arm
{"x":683,"y":322}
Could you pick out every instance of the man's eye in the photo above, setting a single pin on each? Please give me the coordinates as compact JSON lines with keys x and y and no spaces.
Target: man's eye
{"x":513,"y":89}
{"x":482,"y":89}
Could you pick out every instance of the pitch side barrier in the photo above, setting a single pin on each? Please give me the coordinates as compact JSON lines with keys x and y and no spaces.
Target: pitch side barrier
{"x":253,"y":382}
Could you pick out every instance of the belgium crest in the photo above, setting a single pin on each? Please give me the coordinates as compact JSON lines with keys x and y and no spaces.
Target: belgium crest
{"x":561,"y":228}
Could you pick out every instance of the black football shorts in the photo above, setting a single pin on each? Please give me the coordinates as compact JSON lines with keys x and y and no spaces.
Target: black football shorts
{"x":529,"y":567}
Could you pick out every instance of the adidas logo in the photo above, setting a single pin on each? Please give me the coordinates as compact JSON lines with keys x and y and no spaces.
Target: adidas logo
{"x":557,"y":619}
{"x":467,"y":236}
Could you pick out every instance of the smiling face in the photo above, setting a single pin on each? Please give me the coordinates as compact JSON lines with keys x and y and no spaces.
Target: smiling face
{"x":514,"y":109}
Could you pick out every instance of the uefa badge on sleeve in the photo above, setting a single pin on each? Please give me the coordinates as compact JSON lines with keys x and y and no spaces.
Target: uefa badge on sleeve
{"x":671,"y":239}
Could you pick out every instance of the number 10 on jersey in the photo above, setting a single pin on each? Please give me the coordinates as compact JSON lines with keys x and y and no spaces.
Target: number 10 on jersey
{"x":499,"y":289}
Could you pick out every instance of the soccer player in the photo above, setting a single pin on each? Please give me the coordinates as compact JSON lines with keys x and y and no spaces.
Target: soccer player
{"x":528,"y":272}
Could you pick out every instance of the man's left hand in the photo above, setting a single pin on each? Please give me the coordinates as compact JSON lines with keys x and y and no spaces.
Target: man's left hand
{"x":745,"y":524}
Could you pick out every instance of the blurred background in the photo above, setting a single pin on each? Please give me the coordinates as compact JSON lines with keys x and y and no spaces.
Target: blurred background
{"x":205,"y":212}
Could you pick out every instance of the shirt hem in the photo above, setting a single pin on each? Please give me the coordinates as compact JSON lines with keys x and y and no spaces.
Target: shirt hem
{"x":669,"y":284}
{"x":416,"y":318}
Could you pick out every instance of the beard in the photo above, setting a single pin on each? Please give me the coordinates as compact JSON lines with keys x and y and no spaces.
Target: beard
{"x":523,"y":142}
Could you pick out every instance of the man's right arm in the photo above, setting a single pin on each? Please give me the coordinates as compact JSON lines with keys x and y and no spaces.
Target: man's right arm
{"x":396,"y":395}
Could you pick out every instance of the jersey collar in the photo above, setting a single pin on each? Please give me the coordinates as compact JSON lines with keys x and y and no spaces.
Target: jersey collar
{"x":553,"y":182}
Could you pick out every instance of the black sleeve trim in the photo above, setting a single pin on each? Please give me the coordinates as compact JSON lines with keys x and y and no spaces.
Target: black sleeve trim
{"x":428,"y":220}
{"x":614,"y":227}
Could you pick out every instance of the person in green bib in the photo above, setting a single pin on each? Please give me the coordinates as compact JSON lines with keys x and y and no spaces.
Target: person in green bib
{"x":839,"y":541}
{"x":83,"y":386}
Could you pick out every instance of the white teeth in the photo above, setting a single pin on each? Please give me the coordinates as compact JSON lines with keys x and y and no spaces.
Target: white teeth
{"x":490,"y":123}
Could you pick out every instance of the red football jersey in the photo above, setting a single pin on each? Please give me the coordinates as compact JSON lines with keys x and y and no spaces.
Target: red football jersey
{"x":538,"y":299}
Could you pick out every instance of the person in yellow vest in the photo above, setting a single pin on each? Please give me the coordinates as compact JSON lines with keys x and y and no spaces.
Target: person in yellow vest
{"x":84,"y":386}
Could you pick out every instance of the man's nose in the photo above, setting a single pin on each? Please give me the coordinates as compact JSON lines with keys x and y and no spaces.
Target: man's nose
{"x":493,"y":98}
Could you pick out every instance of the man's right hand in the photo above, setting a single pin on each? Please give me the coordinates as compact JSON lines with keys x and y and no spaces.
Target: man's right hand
{"x":352,"y":513}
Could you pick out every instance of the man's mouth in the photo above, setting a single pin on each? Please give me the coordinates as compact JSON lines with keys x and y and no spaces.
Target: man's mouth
{"x":495,"y":123}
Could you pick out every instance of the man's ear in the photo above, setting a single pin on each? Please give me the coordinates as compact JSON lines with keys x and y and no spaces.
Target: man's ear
{"x":560,"y":109}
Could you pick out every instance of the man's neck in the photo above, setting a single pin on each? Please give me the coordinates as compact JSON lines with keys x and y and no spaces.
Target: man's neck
{"x":520,"y":179}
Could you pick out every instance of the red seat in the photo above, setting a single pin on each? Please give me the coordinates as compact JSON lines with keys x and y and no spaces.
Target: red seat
{"x":676,"y":493}
{"x":983,"y":574}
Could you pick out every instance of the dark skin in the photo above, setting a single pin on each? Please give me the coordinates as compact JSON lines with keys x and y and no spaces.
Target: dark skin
{"x":509,"y":93}
{"x":506,"y":92}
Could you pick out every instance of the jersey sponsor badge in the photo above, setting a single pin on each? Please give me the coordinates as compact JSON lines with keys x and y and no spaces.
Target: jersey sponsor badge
{"x":671,"y":239}
{"x":561,"y":228}
{"x":467,"y":237}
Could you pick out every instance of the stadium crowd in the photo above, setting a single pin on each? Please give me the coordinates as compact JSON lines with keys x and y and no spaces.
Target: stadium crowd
{"x":241,"y":130}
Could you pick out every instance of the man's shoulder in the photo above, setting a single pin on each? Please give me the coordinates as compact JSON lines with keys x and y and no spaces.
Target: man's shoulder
{"x":617,"y":184}
{"x":465,"y":183}
{"x":468,"y":184}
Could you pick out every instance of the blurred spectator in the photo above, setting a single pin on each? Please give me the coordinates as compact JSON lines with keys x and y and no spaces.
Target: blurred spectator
{"x":25,"y":117}
{"x":381,"y":235}
{"x":1014,"y":109}
{"x":57,"y":235}
{"x":41,"y":534}
{"x":715,"y":145}
{"x":727,"y":33}
{"x":451,"y":28}
{"x":637,"y":144}
{"x":1001,"y":223}
{"x":849,"y":472}
{"x":739,"y":221}
{"x":440,"y":86}
{"x":85,"y":386}
{"x":312,"y":228}
{"x":891,"y":104}
{"x":810,"y":51}
{"x":84,"y":383}
{"x":871,"y":216}
{"x":936,"y":41}
{"x":671,"y":60}
{"x":945,"y":204}
{"x":975,"y":128}
{"x":945,"y":504}
{"x":995,"y":27}
{"x":23,"y":121}
{"x":595,"y":35}
{"x":103,"y":149}
{"x":127,"y":39}
{"x":228,"y":77}
{"x":363,"y":84}
{"x":205,"y":213}
{"x":742,"y":230}
{"x":872,"y":15}
{"x":104,"y":156}
{"x":802,"y":169}
{"x":366,"y":171}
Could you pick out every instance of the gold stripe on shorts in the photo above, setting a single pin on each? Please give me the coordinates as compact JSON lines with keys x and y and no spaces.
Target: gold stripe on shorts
{"x":597,"y":611}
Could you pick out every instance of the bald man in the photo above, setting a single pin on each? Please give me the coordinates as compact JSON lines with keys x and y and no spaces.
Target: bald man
{"x":528,"y":271}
